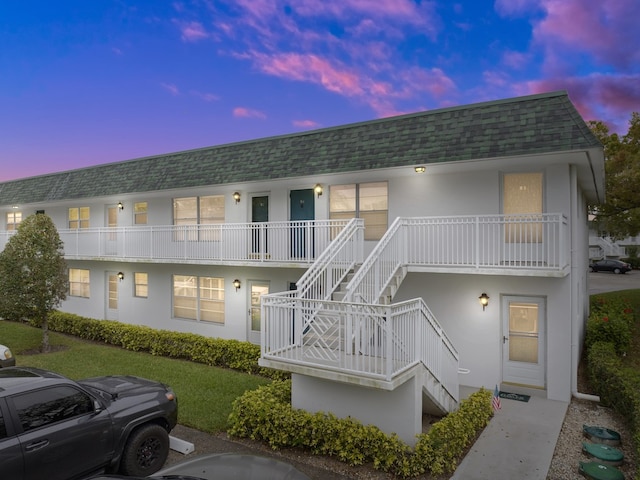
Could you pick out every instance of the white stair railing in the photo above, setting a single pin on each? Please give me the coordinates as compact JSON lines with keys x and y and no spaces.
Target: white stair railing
{"x":334,"y":264}
{"x":374,"y":341}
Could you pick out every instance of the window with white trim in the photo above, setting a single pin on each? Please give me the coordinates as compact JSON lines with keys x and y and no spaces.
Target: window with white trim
{"x":140,"y":213}
{"x":198,"y":298}
{"x":79,"y":283}
{"x":13,"y":220}
{"x":522,"y":202}
{"x":194,"y":211}
{"x":368,"y":201}
{"x":79,"y":217}
{"x":141,"y":284}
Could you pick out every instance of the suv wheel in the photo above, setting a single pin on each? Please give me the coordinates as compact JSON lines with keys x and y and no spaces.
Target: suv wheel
{"x":146,"y":451}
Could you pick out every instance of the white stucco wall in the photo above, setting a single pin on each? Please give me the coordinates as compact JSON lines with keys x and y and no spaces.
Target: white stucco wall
{"x":156,"y":310}
{"x":477,"y":334}
{"x":402,"y":407}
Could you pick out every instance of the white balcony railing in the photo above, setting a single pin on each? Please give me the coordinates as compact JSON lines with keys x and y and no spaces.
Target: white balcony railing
{"x":374,"y":341}
{"x":533,"y":242}
{"x":295,"y":242}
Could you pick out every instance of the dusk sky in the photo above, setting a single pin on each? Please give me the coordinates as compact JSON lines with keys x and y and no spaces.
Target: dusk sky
{"x":85,"y":82}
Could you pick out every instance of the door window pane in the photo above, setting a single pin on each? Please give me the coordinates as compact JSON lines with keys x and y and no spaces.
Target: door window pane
{"x":257,"y":291}
{"x":113,"y":291}
{"x":523,"y":332}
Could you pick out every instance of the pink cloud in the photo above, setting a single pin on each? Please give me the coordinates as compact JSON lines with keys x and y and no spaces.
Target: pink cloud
{"x":243,"y":112}
{"x":305,"y":124}
{"x":607,"y":31}
{"x":171,"y":88}
{"x":406,"y":11}
{"x":512,"y":7}
{"x":207,"y":97}
{"x":495,"y":79}
{"x":311,"y":68}
{"x":515,"y":60}
{"x":192,"y":31}
{"x":434,"y":81}
{"x":608,"y":98}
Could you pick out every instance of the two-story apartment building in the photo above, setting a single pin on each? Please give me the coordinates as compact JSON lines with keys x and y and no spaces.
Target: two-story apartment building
{"x":352,"y":253}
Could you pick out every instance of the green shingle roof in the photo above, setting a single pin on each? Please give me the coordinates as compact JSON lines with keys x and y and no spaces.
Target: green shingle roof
{"x":526,"y":125}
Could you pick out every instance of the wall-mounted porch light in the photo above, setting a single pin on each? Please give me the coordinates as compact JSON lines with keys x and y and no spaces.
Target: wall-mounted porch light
{"x":318,"y":189}
{"x":236,"y":284}
{"x":420,"y":169}
{"x":120,"y":276}
{"x":484,"y":300}
{"x":120,"y":206}
{"x":236,"y":196}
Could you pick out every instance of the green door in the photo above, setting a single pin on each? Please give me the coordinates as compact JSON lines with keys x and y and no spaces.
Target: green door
{"x":302,"y":210}
{"x":260,"y":216}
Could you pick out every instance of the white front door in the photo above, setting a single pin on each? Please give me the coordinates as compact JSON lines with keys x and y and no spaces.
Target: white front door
{"x":257,"y":289}
{"x":523,"y":345}
{"x":112,"y":296}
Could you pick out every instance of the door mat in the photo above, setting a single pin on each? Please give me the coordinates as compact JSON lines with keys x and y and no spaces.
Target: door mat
{"x":515,"y":396}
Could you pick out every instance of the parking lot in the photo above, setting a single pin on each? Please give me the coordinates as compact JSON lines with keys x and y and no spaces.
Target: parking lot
{"x":600,"y":282}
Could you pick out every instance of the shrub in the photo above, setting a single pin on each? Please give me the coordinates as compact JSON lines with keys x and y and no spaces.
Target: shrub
{"x":610,"y":320}
{"x":266,"y":415}
{"x":242,"y":356}
{"x":618,"y":386}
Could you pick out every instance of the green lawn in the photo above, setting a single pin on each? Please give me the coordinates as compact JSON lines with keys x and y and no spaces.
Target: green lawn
{"x":204,"y":393}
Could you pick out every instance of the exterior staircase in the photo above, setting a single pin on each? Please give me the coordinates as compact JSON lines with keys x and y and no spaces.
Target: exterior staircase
{"x":367,"y":341}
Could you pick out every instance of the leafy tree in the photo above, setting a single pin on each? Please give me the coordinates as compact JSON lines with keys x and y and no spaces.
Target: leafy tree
{"x":619,"y":216}
{"x":33,"y":273}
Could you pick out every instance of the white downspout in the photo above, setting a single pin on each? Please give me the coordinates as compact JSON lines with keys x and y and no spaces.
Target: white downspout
{"x":576,"y":273}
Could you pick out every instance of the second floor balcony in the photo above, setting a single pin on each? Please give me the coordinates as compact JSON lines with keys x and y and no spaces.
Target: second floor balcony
{"x":512,"y":244}
{"x":292,"y":243}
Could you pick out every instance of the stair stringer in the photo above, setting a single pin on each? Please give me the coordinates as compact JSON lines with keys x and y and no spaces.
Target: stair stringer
{"x":436,"y":400}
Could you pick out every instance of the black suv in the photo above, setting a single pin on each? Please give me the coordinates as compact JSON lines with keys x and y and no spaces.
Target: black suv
{"x":55,"y":428}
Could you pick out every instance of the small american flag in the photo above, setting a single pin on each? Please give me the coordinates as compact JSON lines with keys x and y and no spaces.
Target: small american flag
{"x":495,"y":402}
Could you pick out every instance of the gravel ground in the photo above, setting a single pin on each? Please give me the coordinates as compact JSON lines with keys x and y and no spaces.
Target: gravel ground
{"x":568,"y":452}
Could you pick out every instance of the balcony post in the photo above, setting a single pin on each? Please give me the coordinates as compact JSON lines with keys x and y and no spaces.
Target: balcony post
{"x":388,"y":327}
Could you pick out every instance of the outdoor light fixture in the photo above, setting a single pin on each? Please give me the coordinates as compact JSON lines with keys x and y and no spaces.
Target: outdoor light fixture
{"x":236,"y":196}
{"x":120,"y":206}
{"x":484,"y":300}
{"x":120,"y":275}
{"x":318,"y":189}
{"x":420,"y":169}
{"x":236,"y":283}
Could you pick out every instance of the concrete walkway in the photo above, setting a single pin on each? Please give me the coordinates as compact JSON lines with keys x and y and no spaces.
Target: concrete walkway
{"x":518,"y":442}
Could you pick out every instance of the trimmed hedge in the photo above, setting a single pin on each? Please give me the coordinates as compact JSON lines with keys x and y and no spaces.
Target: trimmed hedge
{"x":610,"y":321}
{"x":266,"y":415}
{"x":618,"y":386}
{"x":234,"y":354}
{"x":610,"y":327}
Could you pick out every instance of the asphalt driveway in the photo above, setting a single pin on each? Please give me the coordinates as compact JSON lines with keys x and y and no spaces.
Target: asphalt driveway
{"x":600,"y":282}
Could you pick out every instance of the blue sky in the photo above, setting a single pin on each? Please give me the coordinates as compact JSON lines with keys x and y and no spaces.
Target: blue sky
{"x":84,"y":82}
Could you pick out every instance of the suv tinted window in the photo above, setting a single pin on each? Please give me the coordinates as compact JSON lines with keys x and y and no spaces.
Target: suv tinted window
{"x":51,"y":405}
{"x":3,"y":429}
